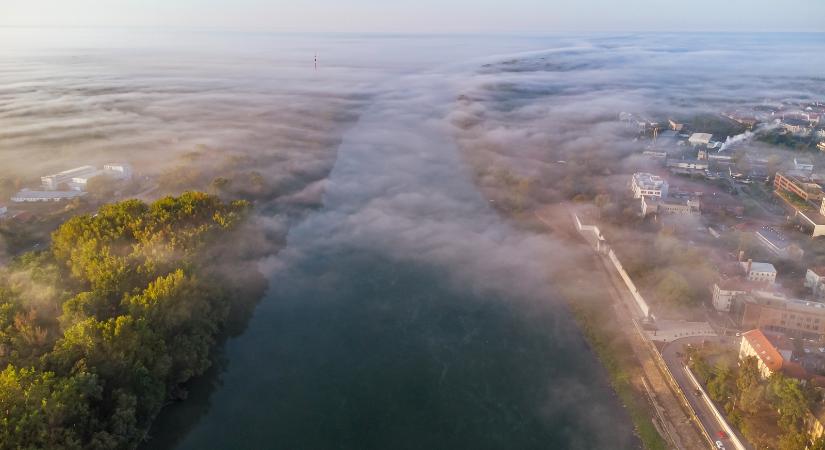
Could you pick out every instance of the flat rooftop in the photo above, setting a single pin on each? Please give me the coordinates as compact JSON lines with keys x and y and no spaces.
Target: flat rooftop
{"x":648,"y":180}
{"x":74,"y":172}
{"x":29,"y":194}
{"x":773,"y":236}
{"x":760,"y":267}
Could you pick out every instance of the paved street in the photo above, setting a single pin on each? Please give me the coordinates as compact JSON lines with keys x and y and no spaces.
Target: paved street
{"x":671,"y":354}
{"x":671,"y":330}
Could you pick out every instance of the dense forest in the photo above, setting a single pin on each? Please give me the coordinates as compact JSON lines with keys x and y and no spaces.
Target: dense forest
{"x":104,"y":327}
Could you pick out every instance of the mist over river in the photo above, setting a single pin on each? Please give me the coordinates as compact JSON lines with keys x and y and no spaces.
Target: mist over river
{"x":406,"y":314}
{"x":403,"y":311}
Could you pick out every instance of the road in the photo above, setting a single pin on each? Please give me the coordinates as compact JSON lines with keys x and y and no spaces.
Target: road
{"x":671,"y":354}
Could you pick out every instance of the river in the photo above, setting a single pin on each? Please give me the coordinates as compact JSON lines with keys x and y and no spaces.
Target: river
{"x":404,"y":314}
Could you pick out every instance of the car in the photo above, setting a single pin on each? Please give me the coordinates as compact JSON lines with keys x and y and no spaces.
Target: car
{"x":720,"y":445}
{"x":721,"y":434}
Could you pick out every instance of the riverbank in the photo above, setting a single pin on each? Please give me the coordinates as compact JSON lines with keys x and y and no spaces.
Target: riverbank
{"x":601,"y":314}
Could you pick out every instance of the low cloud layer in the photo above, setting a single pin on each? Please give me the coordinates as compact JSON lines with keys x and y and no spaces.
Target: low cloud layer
{"x":399,"y":125}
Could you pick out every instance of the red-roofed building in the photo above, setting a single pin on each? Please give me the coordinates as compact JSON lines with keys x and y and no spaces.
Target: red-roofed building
{"x":774,"y":353}
{"x":755,"y":343}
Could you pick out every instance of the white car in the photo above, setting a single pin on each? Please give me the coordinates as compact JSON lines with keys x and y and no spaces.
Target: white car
{"x":720,"y":445}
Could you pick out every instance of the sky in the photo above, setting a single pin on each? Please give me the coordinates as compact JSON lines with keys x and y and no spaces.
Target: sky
{"x":433,"y":16}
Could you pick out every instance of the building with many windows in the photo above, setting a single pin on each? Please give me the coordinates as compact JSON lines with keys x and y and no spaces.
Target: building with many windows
{"x":769,"y":359}
{"x":27,"y":196}
{"x":801,"y":186}
{"x":759,"y":271}
{"x":68,"y":179}
{"x":726,"y":291}
{"x":648,"y":185}
{"x":776,"y":312}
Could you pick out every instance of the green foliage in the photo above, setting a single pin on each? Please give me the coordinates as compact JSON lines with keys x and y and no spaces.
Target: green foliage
{"x":673,"y":289}
{"x":790,"y":401}
{"x":98,"y":332}
{"x":719,"y":385}
{"x":102,"y":187}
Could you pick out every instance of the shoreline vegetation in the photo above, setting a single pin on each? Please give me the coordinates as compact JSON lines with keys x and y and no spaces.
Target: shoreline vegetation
{"x":104,"y":327}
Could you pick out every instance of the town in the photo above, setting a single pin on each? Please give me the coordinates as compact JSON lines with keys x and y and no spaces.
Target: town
{"x":716,"y":240}
{"x":33,"y":212}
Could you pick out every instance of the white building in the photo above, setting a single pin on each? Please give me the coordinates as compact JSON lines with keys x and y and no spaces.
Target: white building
{"x":759,"y":271}
{"x":725,"y":291}
{"x":67,"y":177}
{"x":27,"y":195}
{"x":120,"y":171}
{"x":80,"y":183}
{"x":648,"y":185}
{"x":815,"y":281}
{"x":700,"y":139}
{"x":803,"y":164}
{"x":655,"y":205}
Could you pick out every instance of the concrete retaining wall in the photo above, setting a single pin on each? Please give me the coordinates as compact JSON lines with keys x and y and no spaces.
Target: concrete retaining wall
{"x":637,"y":297}
{"x":594,"y":236}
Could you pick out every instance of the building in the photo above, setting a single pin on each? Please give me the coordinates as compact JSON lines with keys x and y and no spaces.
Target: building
{"x":759,"y":271}
{"x":674,"y":125}
{"x":700,"y":139}
{"x":778,"y":244}
{"x":655,"y":154}
{"x":648,"y":185}
{"x":725,"y":292}
{"x":796,"y":125}
{"x":687,"y":165}
{"x":80,"y":183}
{"x":804,"y":164}
{"x":821,"y":146}
{"x":776,"y":312}
{"x":120,"y":171}
{"x":802,"y":187}
{"x":27,"y":195}
{"x":812,"y":221}
{"x":62,"y":180}
{"x":3,"y":211}
{"x":654,"y":205}
{"x":769,"y":359}
{"x":815,"y":281}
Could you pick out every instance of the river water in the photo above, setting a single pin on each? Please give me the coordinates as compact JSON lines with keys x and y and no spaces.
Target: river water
{"x":405,"y":313}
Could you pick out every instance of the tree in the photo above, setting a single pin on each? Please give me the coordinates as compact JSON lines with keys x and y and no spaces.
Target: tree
{"x":140,"y":305}
{"x":102,"y":187}
{"x":818,"y":444}
{"x":719,"y":384}
{"x":790,"y":401}
{"x":673,"y":289}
